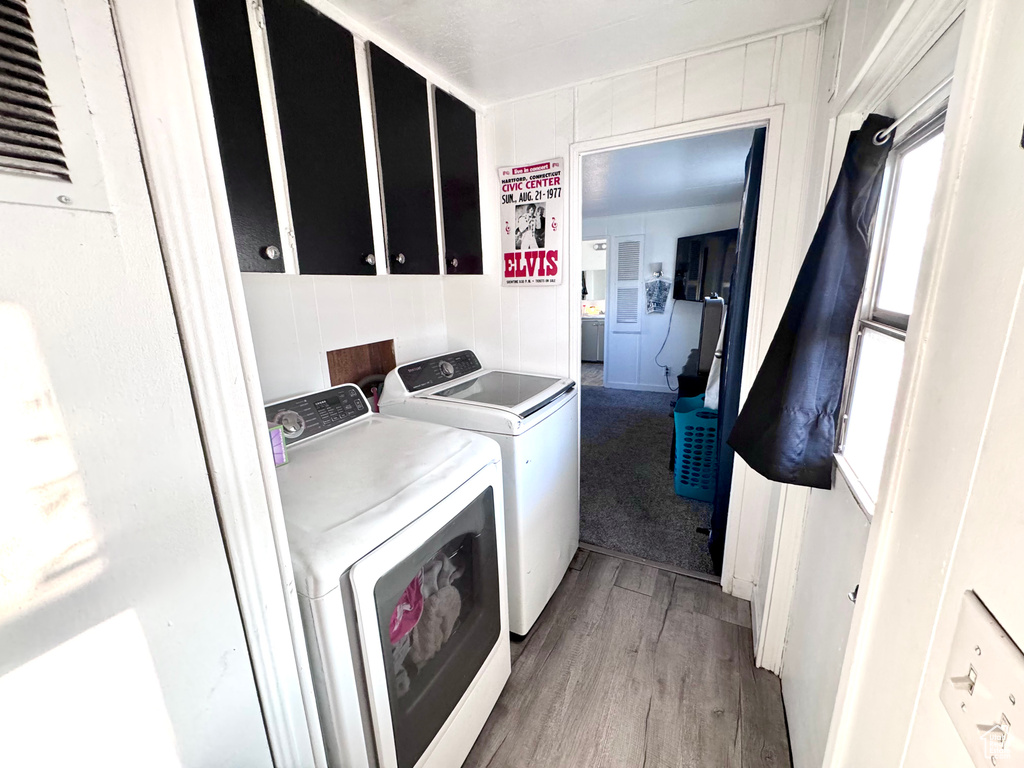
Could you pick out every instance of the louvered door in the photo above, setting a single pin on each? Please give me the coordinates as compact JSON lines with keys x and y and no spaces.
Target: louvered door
{"x":627,"y":284}
{"x":29,"y":141}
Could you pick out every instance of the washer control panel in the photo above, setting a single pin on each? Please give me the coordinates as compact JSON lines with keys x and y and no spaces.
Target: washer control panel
{"x":438,"y":370}
{"x":311,"y":415}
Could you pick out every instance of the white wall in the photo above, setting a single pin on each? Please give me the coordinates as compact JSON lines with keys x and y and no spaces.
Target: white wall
{"x":835,"y":531}
{"x":297,"y":319}
{"x":629,"y":358}
{"x":953,"y":521}
{"x":122,"y":642}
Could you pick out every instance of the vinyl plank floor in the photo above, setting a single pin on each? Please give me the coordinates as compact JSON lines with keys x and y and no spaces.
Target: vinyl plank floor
{"x":631,"y":666}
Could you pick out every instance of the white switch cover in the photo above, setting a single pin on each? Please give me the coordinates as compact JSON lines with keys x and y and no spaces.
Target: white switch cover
{"x":983,"y":689}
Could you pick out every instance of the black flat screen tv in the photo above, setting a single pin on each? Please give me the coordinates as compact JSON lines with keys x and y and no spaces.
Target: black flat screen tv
{"x":704,"y":265}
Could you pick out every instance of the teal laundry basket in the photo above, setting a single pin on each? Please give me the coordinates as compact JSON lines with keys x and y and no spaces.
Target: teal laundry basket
{"x":696,"y":470}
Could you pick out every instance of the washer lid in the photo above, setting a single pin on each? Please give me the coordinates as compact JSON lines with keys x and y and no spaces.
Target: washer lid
{"x":501,"y":388}
{"x":346,"y":492}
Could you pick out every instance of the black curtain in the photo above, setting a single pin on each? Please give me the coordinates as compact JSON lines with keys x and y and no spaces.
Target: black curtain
{"x":787,"y":428}
{"x":735,"y":338}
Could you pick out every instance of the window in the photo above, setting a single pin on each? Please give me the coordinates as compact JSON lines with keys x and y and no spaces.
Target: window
{"x":900,"y":231}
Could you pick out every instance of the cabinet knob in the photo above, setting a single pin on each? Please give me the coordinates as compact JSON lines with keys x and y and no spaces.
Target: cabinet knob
{"x":400,"y":258}
{"x":454,"y":262}
{"x":370,"y":259}
{"x":270,"y":252}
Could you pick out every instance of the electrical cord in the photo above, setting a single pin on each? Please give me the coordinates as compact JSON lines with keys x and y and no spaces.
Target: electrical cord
{"x":657,"y":361}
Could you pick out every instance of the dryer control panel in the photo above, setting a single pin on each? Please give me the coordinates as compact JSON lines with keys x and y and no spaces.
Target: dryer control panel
{"x":311,"y":415}
{"x":438,"y":370}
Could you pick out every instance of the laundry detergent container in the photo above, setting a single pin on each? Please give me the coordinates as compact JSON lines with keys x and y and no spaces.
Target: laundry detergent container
{"x":696,"y":468}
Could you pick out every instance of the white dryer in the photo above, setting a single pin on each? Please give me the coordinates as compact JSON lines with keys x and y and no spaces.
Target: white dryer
{"x":397,"y":539}
{"x":535,"y":420}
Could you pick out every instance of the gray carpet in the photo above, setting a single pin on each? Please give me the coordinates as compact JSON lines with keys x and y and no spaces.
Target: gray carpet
{"x":627,"y":500}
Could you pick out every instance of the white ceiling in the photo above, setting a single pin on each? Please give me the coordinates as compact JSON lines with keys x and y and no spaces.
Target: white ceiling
{"x":683,"y":173}
{"x":497,"y":50}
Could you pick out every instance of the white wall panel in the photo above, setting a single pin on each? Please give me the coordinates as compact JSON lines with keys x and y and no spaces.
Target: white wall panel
{"x":334,"y":307}
{"x":714,"y":83}
{"x":458,"y":311}
{"x":408,"y":314}
{"x":564,"y":126}
{"x":797,"y":71}
{"x":510,"y":343}
{"x":307,"y":329}
{"x":371,"y":303}
{"x":284,"y":370}
{"x":487,"y":336}
{"x":502,"y":120}
{"x":633,"y":101}
{"x":758,"y":68}
{"x":670,"y":90}
{"x":535,"y":128}
{"x":536,"y":328}
{"x":297,"y":319}
{"x":417,"y":303}
{"x":594,"y":110}
{"x":865,"y":21}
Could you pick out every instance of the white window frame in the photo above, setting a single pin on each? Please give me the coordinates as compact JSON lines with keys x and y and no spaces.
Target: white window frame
{"x":870,"y":316}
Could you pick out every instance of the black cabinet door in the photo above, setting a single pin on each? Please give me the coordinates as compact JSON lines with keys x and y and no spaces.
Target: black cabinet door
{"x":314,"y":65}
{"x":234,"y":92}
{"x":406,"y":165}
{"x":460,"y":185}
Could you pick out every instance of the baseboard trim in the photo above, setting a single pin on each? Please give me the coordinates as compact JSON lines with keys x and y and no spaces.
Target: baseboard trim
{"x":710,"y":578}
{"x":639,"y":387}
{"x":742,"y":589}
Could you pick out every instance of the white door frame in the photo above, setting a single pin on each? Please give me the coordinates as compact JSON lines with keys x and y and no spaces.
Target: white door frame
{"x":162,"y":56}
{"x":769,"y":117}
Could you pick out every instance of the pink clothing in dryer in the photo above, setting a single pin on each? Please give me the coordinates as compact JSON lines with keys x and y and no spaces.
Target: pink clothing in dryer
{"x":408,"y":611}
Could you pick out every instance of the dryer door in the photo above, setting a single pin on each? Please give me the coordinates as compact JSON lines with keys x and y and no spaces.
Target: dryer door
{"x":430,"y":609}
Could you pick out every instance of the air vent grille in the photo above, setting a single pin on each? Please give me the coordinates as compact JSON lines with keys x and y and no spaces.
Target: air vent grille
{"x":627,"y":310}
{"x":29,"y":141}
{"x":629,"y":260}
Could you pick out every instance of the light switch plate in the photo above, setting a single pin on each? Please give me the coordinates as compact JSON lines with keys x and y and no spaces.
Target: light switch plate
{"x":983,"y":688}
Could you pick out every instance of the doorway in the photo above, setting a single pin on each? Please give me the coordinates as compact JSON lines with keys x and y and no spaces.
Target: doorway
{"x":593,"y":302}
{"x":662,"y":261}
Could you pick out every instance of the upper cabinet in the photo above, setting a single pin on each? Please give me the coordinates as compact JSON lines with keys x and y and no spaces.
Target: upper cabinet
{"x":313,"y":61}
{"x":402,"y":118}
{"x":241,"y":134}
{"x":329,"y":142}
{"x":460,"y":184}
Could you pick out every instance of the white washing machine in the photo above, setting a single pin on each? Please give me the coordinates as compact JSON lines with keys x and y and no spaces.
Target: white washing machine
{"x":397,"y":539}
{"x":535,"y":420}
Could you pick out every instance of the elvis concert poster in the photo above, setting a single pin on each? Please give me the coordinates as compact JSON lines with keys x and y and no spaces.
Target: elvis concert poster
{"x":532,"y":223}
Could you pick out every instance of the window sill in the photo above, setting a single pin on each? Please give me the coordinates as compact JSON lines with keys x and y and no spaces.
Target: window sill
{"x":860,"y":493}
